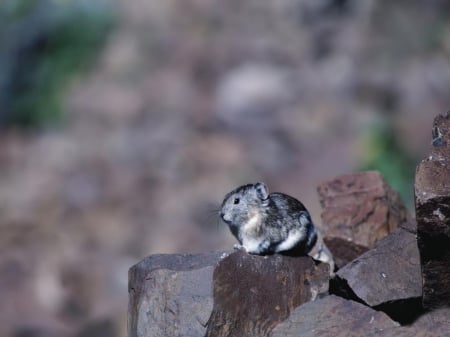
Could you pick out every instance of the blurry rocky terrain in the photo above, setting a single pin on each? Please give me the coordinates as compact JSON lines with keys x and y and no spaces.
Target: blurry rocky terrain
{"x":185,"y":100}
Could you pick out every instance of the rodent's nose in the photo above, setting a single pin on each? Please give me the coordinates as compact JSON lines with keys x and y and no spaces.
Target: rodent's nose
{"x":221,"y":214}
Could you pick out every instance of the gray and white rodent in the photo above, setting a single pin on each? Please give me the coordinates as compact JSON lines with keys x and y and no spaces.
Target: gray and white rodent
{"x":266,"y":223}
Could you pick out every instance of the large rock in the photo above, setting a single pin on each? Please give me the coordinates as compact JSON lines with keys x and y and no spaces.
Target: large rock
{"x":388,"y":276}
{"x":254,"y":293}
{"x":171,"y":295}
{"x":333,"y":316}
{"x":343,"y":250}
{"x":436,"y":321}
{"x":430,"y":324}
{"x":432,"y":197}
{"x":359,"y":209}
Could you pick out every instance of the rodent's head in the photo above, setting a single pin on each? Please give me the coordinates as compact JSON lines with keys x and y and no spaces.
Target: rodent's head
{"x":243,"y":203}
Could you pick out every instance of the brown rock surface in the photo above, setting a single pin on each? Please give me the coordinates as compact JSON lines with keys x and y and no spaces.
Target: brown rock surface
{"x":333,"y":316}
{"x":171,"y":295}
{"x":343,"y":250}
{"x":440,"y":149}
{"x":358,"y":210}
{"x":254,"y":293}
{"x":360,"y":207}
{"x":432,"y":197}
{"x":388,"y":276}
{"x":431,"y":324}
{"x":436,"y":321}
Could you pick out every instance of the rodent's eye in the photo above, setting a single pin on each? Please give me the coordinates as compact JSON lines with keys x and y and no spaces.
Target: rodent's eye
{"x":236,"y":201}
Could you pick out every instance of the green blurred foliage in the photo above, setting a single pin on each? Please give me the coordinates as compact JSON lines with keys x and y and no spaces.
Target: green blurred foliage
{"x":382,"y":151}
{"x":43,"y":44}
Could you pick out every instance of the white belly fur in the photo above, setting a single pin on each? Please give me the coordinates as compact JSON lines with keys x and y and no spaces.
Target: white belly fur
{"x":293,"y":238}
{"x":250,"y":240}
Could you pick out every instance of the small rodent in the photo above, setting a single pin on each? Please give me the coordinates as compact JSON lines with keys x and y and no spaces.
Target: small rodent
{"x":266,"y":223}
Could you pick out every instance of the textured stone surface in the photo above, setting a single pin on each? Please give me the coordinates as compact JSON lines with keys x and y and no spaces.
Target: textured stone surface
{"x":432,"y":197}
{"x":440,"y":146}
{"x":360,"y":207}
{"x":171,"y":295}
{"x":431,"y":324}
{"x":436,"y":322}
{"x":344,"y":251}
{"x":333,"y":316}
{"x":390,"y":272}
{"x":254,"y":293}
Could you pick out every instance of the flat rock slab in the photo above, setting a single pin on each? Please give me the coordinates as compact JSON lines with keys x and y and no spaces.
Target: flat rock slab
{"x":436,"y":322}
{"x":432,"y":197}
{"x":360,"y":207}
{"x":387,"y":273}
{"x":432,"y":324}
{"x":171,"y":295}
{"x":333,"y":316}
{"x":254,"y":293}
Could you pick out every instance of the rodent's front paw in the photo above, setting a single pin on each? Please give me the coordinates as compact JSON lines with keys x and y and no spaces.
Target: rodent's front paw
{"x":237,"y":246}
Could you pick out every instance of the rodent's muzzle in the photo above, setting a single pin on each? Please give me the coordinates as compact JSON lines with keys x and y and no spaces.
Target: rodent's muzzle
{"x":222,"y":216}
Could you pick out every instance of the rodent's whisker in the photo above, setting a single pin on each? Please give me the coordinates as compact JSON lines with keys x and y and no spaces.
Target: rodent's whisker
{"x":213,"y":214}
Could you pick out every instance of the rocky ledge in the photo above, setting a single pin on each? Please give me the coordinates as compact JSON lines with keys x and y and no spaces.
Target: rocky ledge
{"x":393,"y":276}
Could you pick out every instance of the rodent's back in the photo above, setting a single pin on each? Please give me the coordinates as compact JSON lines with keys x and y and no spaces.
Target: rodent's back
{"x":286,"y":205}
{"x":282,"y":214}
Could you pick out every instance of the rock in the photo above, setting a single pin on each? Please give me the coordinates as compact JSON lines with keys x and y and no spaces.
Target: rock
{"x":399,"y":332}
{"x":410,"y":226}
{"x":171,"y":295}
{"x":432,"y":198}
{"x":334,"y":317}
{"x":436,"y":321}
{"x":360,"y":208}
{"x":388,"y":276}
{"x":343,"y":251}
{"x":440,"y":149}
{"x":253,"y":293}
{"x":431,"y":324}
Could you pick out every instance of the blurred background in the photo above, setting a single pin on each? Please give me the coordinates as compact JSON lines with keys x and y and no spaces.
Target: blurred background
{"x":124,"y":123}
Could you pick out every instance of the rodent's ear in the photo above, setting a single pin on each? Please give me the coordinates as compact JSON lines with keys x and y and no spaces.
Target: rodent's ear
{"x":262,"y":191}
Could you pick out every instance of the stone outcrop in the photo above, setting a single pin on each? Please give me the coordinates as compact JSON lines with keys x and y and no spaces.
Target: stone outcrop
{"x":386,"y":277}
{"x":358,"y":210}
{"x":333,"y":317}
{"x":432,"y":198}
{"x":254,"y":293}
{"x":393,"y":276}
{"x":430,"y":324}
{"x":171,"y":295}
{"x":343,"y":250}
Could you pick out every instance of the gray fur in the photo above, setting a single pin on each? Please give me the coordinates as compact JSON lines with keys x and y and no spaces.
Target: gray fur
{"x":266,"y":223}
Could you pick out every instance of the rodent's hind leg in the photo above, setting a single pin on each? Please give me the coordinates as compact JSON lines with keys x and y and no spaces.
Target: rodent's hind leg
{"x":256,"y":247}
{"x":294,"y":237}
